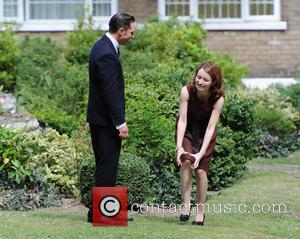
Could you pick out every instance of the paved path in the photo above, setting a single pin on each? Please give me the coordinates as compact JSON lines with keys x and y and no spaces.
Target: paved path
{"x":292,"y":169}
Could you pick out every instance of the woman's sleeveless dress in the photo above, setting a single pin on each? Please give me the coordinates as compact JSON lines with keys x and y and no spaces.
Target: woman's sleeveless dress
{"x":198,"y":116}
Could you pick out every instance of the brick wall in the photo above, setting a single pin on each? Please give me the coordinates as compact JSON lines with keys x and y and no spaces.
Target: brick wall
{"x":266,"y":53}
{"x":141,"y":9}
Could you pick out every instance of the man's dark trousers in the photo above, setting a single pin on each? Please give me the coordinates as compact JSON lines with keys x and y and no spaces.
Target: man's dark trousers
{"x":106,"y":145}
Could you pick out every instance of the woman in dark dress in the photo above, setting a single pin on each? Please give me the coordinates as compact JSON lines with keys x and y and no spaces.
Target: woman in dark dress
{"x":200,"y":105}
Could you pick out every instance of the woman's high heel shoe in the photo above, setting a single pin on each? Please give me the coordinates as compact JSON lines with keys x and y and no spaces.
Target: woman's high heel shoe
{"x":199,"y":223}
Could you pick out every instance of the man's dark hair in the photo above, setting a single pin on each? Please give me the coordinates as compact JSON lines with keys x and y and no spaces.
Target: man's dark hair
{"x":120,"y":20}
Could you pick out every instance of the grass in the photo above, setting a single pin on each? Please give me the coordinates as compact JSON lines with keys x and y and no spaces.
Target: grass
{"x":257,"y":186}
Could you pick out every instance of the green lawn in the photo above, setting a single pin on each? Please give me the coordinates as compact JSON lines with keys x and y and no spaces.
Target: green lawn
{"x":257,"y":186}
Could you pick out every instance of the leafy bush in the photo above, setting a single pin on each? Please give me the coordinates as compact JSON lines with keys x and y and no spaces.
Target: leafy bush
{"x":151,"y":115}
{"x":80,"y":41}
{"x":238,"y":114}
{"x":273,"y":146}
{"x":8,"y":59}
{"x":279,"y":121}
{"x":37,"y":56}
{"x":52,"y":91}
{"x":275,"y":121}
{"x":56,"y":154}
{"x":291,"y":92}
{"x":38,"y":193}
{"x":133,"y":173}
{"x":237,"y":141}
{"x":165,"y":186}
{"x":15,"y":153}
{"x":1,"y":93}
{"x":86,"y":180}
{"x":171,"y":43}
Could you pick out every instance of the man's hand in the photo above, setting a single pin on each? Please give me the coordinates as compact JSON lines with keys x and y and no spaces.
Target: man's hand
{"x":123,"y":132}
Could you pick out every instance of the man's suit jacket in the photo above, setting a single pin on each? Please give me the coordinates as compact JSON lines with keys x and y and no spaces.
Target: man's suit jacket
{"x":106,"y":104}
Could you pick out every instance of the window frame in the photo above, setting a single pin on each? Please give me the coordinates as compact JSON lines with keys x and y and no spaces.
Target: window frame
{"x":43,"y":25}
{"x":19,"y":16}
{"x":246,"y":22}
{"x":275,"y":16}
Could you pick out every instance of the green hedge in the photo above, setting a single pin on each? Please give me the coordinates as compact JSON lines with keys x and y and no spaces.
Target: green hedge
{"x":133,"y":173}
{"x":278,"y":117}
{"x":57,"y":155}
{"x":9,"y":57}
{"x":49,"y":87}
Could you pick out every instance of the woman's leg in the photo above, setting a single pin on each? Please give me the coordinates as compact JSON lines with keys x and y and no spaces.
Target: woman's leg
{"x":201,"y":179}
{"x":186,"y":184}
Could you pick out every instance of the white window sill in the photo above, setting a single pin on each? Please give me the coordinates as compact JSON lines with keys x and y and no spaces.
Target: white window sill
{"x":248,"y":26}
{"x":54,"y":26}
{"x":263,"y":83}
{"x":68,"y":25}
{"x":237,"y":24}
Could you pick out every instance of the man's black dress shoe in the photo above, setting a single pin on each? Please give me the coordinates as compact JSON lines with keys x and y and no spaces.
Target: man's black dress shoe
{"x":184,"y":217}
{"x":129,"y":218}
{"x":90,"y":218}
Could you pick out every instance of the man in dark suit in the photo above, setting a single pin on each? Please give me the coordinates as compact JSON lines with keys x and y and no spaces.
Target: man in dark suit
{"x":106,"y":104}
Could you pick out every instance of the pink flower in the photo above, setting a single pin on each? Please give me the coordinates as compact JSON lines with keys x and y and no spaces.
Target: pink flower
{"x":2,"y":101}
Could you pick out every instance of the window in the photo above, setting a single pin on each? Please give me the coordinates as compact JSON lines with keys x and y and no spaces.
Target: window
{"x":261,"y":8}
{"x":179,"y":7}
{"x":101,"y":8}
{"x":219,"y":9}
{"x":55,"y":15}
{"x":10,"y":8}
{"x":229,"y":14}
{"x":67,"y":9}
{"x":55,"y":9}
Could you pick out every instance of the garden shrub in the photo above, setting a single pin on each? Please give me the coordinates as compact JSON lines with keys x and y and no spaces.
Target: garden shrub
{"x":15,"y":152}
{"x":273,"y":146}
{"x":237,"y":141}
{"x":52,"y":91}
{"x":60,"y":99}
{"x":56,"y":154}
{"x":165,"y":185}
{"x":80,"y":41}
{"x":151,"y":113}
{"x":279,"y":121}
{"x":1,"y":107}
{"x":275,"y":122}
{"x":172,"y":42}
{"x":133,"y":173}
{"x":34,"y":194}
{"x":9,"y":53}
{"x":238,"y":114}
{"x":292,"y":93}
